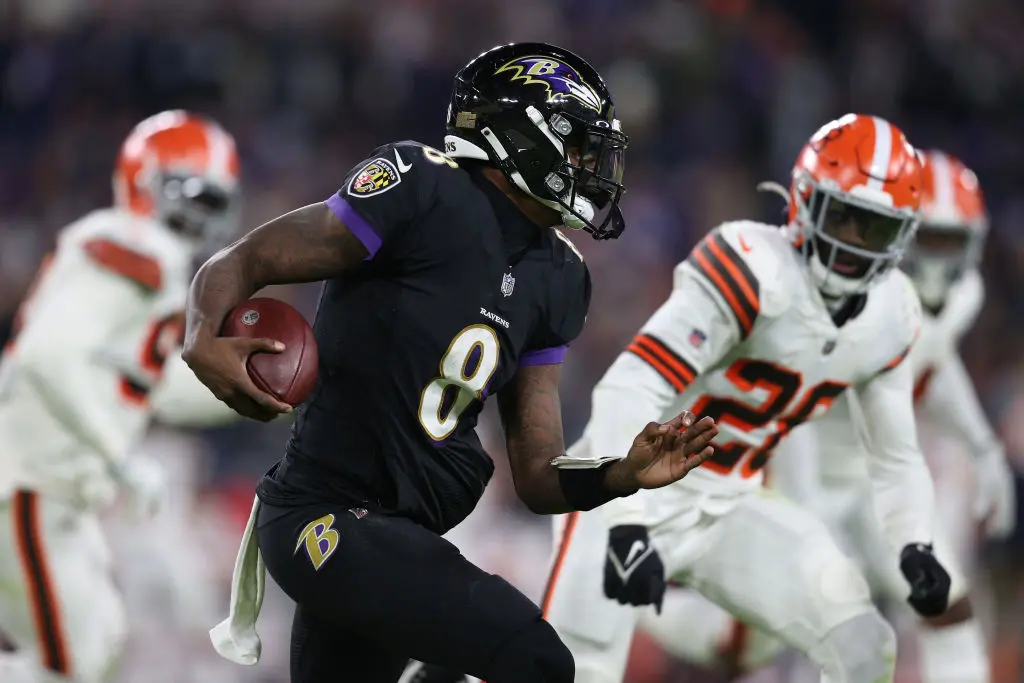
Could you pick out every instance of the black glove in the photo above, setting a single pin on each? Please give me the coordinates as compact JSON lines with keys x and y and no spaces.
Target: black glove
{"x":929,"y":581}
{"x":633,"y":572}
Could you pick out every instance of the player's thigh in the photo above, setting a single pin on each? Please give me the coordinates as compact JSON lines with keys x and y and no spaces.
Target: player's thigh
{"x":695,"y":630}
{"x":689,"y":627}
{"x":598,"y":631}
{"x":393,"y":582}
{"x":775,"y":566}
{"x":59,"y":601}
{"x":324,"y":653}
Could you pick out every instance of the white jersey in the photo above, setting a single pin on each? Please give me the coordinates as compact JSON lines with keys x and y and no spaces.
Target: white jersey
{"x":942,"y":388}
{"x":95,"y":356}
{"x":746,"y":338}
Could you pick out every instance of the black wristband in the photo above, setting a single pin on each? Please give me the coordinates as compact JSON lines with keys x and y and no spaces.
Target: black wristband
{"x":584,"y":489}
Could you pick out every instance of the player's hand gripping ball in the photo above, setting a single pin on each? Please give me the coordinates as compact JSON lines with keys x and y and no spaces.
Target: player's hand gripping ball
{"x":291,"y":374}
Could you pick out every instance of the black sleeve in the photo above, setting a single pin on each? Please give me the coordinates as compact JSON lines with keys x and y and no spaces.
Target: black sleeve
{"x":566,"y":314}
{"x":385,"y":192}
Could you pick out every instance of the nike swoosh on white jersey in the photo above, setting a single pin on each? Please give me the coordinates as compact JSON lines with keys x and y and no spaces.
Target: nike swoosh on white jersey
{"x":402,"y":166}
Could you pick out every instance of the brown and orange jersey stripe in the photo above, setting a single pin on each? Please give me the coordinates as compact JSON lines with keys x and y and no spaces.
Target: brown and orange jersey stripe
{"x":46,"y":609}
{"x":716,"y":260}
{"x":117,"y":258}
{"x":670,"y":365}
{"x":923,"y":383}
{"x":903,"y":354}
{"x":898,"y":359}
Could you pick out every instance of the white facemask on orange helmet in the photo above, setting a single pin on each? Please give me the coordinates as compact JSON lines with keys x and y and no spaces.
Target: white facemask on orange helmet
{"x":954,"y":225}
{"x":853,"y":202}
{"x":182,"y":170}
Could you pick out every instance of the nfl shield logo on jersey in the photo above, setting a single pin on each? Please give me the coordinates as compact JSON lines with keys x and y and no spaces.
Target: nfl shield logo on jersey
{"x":507,"y":283}
{"x":697,"y":338}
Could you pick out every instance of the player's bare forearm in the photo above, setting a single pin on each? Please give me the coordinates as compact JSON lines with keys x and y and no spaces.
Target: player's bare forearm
{"x":305,"y":245}
{"x":531,"y":415}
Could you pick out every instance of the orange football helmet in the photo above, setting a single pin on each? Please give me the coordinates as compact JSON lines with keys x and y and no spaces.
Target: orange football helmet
{"x":854,"y":202}
{"x":181,"y":169}
{"x":954,"y":225}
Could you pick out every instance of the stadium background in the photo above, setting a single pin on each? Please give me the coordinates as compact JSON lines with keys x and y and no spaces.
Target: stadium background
{"x":716,"y":95}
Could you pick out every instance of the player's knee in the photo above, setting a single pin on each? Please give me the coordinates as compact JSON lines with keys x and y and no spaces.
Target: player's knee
{"x":95,"y":652}
{"x":958,"y":612}
{"x":534,"y":655}
{"x":860,"y":649}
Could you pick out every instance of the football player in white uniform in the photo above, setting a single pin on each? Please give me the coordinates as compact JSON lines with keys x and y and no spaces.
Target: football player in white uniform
{"x":766,"y":327}
{"x":96,"y":354}
{"x":943,"y":265}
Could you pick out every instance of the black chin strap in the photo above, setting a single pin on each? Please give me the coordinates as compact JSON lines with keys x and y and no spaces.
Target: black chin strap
{"x":849,"y":309}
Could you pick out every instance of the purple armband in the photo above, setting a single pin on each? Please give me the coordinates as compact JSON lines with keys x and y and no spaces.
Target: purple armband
{"x":549,"y":356}
{"x":359,"y":226}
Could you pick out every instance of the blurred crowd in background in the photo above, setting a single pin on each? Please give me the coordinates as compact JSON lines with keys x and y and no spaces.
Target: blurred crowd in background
{"x":715,"y":95}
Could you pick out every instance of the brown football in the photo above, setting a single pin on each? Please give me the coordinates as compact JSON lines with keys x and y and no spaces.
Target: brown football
{"x":291,"y":374}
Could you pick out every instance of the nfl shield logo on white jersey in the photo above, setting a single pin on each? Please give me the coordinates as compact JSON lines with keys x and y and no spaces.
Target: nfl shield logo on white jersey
{"x":507,"y":283}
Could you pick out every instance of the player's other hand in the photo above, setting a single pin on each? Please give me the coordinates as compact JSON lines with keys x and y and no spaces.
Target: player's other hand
{"x":633,"y":571}
{"x":220,"y":364}
{"x":995,"y":495}
{"x":145,"y":483}
{"x":664,"y":453}
{"x":929,"y":581}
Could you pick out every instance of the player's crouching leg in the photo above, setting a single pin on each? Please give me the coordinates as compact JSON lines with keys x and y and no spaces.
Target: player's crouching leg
{"x":953,"y":648}
{"x":96,"y":625}
{"x":855,"y":643}
{"x":534,"y":655}
{"x":790,"y":579}
{"x":860,"y":649}
{"x":62,"y":612}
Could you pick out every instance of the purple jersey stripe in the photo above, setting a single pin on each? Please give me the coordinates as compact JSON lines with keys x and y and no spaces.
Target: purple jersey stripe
{"x":359,"y":226}
{"x":550,"y":356}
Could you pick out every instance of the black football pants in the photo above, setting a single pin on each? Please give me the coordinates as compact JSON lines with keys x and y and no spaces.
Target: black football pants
{"x":373,"y":591}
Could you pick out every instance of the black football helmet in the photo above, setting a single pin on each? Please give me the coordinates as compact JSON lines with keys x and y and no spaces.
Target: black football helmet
{"x":545,"y":118}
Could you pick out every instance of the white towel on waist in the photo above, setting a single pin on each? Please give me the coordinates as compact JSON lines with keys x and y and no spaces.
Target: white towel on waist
{"x":235,"y":638}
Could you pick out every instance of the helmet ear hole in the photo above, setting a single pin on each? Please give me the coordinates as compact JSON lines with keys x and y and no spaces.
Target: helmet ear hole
{"x":521,"y":142}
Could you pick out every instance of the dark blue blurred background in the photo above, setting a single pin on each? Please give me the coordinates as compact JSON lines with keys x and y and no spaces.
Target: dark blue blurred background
{"x":716,"y":95}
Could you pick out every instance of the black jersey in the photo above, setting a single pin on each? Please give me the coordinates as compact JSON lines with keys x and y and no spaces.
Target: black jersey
{"x":459,"y":291}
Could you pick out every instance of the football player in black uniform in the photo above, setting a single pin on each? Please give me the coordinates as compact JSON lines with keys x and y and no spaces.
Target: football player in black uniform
{"x":446,"y":282}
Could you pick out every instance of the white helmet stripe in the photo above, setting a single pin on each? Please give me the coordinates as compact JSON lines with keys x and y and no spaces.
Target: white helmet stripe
{"x":879,"y":168}
{"x":220,"y":153}
{"x":942,"y":176}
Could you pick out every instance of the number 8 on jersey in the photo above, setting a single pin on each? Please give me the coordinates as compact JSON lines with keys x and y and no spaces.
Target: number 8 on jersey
{"x":466,"y":368}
